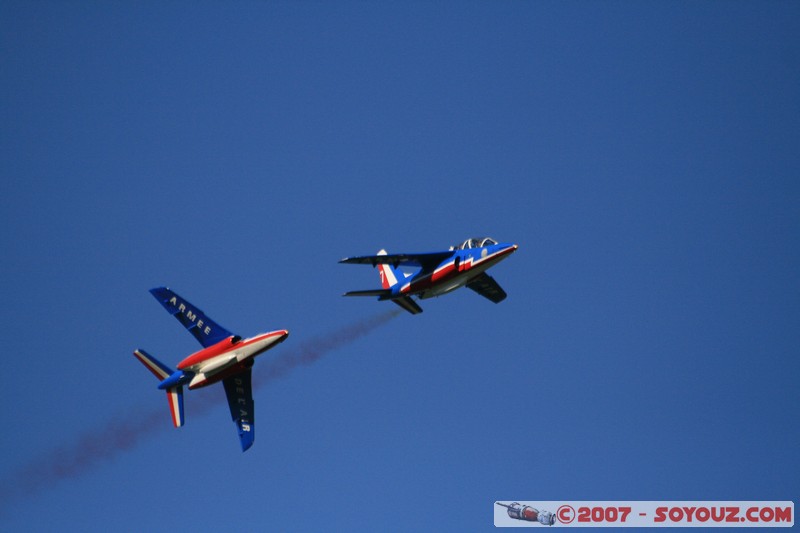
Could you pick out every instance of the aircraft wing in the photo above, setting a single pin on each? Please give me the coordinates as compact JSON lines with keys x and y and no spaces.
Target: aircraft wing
{"x":426,"y":260}
{"x":369,"y":292}
{"x":205,"y":330}
{"x":239,"y":391}
{"x":486,"y":286}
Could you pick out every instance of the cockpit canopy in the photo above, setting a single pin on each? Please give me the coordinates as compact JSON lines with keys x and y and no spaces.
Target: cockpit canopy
{"x":475,"y":242}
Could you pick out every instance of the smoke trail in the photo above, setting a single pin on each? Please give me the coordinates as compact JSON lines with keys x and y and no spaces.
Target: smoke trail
{"x":115,"y":436}
{"x":310,"y":351}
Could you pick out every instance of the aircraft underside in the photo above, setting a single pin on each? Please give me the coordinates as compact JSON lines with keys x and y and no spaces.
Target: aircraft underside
{"x":438,"y":273}
{"x":446,"y":286}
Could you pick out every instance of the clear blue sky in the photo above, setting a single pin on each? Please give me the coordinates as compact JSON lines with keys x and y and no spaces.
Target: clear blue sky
{"x":644,"y":155}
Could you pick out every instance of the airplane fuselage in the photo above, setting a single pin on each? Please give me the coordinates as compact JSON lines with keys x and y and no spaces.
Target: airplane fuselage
{"x":438,"y":272}
{"x":454,"y":272}
{"x":219,"y":361}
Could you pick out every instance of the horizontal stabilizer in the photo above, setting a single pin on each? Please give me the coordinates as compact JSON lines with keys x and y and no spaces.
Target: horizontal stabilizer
{"x":162,"y":372}
{"x":408,"y":304}
{"x":159,"y":369}
{"x":375,"y":292}
{"x":386,"y":294}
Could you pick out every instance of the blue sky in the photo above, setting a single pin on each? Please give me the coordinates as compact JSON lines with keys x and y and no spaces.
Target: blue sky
{"x":644,"y":156}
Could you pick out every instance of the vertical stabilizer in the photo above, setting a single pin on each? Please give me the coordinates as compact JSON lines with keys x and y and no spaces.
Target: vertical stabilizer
{"x":164,"y":373}
{"x":390,"y":276}
{"x":175,"y":399}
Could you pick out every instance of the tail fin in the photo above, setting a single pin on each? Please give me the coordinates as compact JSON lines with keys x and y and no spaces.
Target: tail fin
{"x":162,"y":372}
{"x":390,"y":275}
{"x":175,"y":399}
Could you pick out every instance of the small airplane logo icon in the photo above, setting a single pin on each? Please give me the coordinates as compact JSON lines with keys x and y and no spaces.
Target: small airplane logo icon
{"x":225,"y":357}
{"x":439,"y":272}
{"x":529,"y":514}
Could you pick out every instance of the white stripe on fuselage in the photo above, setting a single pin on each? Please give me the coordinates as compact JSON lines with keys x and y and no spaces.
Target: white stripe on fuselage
{"x":444,"y":266}
{"x":247,"y":348}
{"x":476,"y":267}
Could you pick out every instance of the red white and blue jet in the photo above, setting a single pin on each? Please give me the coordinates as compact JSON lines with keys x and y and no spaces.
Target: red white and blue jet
{"x":439,"y":272}
{"x":225,"y":357}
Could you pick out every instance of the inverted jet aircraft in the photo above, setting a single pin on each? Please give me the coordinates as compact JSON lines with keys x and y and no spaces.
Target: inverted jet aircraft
{"x":225,"y":357}
{"x":439,"y":272}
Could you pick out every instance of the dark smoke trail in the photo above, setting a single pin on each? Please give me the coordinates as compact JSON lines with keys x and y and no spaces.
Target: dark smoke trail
{"x":310,"y":351}
{"x":118,"y":435}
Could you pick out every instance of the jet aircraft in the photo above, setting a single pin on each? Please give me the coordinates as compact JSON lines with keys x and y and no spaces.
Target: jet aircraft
{"x":439,"y":272}
{"x":225,"y":357}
